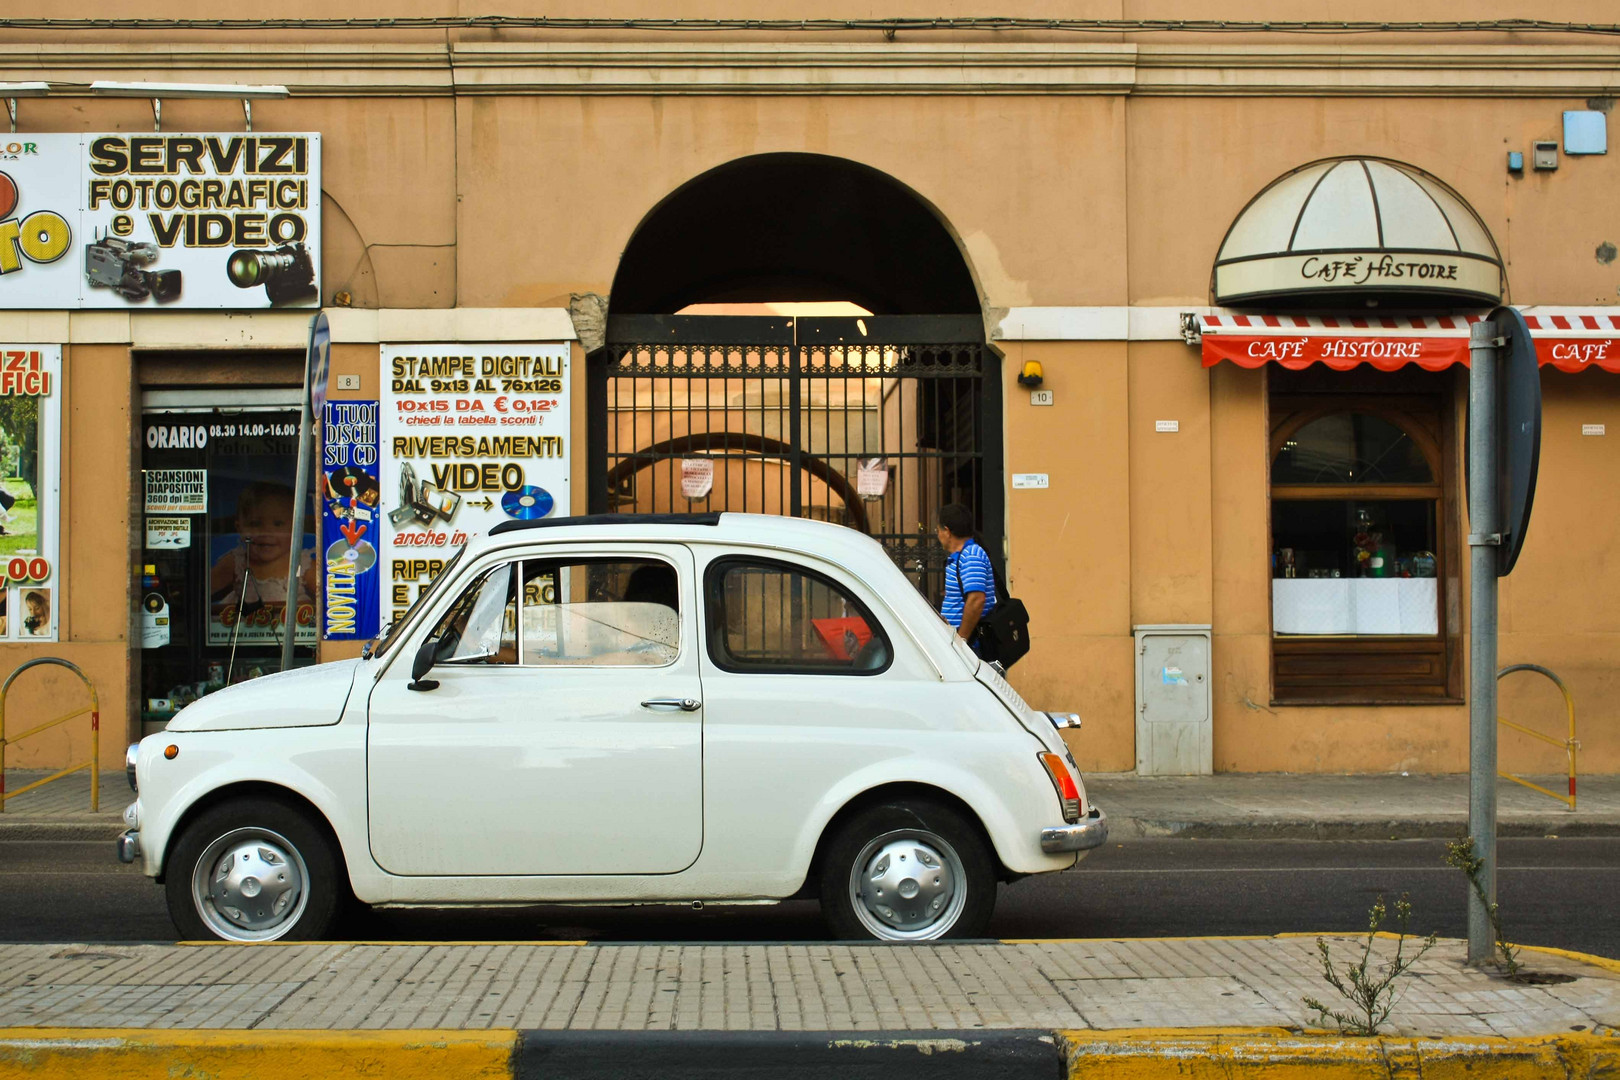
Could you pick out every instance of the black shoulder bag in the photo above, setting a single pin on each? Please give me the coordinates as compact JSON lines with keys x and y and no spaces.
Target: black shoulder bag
{"x":1002,"y":637}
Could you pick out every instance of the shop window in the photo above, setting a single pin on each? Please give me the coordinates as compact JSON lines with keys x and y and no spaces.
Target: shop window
{"x":1359,"y":552}
{"x":218,"y":499}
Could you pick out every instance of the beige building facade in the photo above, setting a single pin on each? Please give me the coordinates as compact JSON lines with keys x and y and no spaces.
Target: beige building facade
{"x":1062,"y":189}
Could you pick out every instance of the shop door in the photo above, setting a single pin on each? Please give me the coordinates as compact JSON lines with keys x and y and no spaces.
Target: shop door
{"x":217,"y":501}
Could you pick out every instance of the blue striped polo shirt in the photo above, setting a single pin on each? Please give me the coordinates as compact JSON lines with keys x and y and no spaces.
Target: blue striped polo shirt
{"x":968,"y":571}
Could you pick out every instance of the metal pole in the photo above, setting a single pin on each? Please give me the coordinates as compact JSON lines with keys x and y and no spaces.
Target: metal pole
{"x":1484,"y":538}
{"x":289,"y":612}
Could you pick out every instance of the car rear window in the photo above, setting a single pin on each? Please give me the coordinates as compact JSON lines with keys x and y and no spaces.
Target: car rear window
{"x":777,"y":617}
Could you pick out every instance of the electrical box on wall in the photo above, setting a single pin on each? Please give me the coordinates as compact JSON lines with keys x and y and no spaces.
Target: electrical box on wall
{"x":1173,"y":715}
{"x":1586,"y":131}
{"x":1545,"y":156}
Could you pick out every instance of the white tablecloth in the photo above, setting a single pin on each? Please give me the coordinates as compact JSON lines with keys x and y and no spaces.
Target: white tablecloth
{"x":1355,"y":605}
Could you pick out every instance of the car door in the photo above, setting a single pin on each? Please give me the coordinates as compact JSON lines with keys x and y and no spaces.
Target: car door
{"x":565,"y":732}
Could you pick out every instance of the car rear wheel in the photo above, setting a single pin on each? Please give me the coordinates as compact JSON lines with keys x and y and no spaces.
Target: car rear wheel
{"x":254,"y":870}
{"x":908,"y":871}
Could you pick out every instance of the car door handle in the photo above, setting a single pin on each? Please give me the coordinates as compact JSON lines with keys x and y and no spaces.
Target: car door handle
{"x":686,"y":704}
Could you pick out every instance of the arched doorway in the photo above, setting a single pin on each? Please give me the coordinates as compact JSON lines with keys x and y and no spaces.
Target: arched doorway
{"x":870,"y":420}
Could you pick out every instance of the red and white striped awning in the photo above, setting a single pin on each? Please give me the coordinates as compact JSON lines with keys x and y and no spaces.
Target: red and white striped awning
{"x":1567,"y":340}
{"x":1572,"y":341}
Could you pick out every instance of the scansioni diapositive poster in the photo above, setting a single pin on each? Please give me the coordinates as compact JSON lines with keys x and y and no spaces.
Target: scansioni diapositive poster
{"x":472,"y":435}
{"x":161,"y":220}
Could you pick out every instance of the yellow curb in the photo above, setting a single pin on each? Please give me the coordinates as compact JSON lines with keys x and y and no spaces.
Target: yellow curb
{"x":1569,"y":954}
{"x":1236,"y":1053}
{"x":125,"y":1054}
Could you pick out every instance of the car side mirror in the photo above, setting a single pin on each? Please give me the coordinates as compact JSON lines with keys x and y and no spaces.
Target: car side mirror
{"x":422,"y":665}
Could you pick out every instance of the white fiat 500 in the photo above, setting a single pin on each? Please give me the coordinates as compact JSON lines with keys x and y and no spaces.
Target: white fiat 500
{"x":716,"y":708}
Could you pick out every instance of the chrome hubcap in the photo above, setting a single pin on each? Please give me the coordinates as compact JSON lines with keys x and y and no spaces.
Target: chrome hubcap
{"x":908,"y":885}
{"x":249,"y":885}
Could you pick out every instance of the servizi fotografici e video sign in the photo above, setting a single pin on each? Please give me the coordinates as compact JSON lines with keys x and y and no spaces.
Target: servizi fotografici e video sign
{"x":160,"y":221}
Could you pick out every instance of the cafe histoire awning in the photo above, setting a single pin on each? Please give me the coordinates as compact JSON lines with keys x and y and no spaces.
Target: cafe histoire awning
{"x":1570,"y":340}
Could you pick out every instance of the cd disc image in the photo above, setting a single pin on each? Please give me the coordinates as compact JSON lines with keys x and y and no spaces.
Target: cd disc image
{"x":349,"y":481}
{"x":360,"y":556}
{"x":527,"y":503}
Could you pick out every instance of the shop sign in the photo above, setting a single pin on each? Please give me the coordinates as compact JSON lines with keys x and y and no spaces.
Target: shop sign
{"x":871,"y":478}
{"x":176,"y":491}
{"x":1369,"y":272}
{"x":472,"y":435}
{"x":351,"y":520}
{"x":697,"y":477}
{"x":1341,"y":353}
{"x":165,"y":220}
{"x":155,"y":624}
{"x":30,"y":506}
{"x":168,"y":533}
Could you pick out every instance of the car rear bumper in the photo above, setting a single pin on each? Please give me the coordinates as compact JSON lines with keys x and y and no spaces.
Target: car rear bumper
{"x":1085,"y":834}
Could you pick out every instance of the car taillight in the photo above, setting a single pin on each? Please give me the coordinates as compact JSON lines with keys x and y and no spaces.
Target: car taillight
{"x":1068,"y":792}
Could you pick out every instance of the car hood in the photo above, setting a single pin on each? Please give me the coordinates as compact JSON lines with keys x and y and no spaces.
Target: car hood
{"x":305,"y":697}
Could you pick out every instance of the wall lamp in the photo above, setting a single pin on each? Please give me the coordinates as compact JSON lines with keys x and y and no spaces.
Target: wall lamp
{"x":156,"y":92}
{"x":12,"y":91}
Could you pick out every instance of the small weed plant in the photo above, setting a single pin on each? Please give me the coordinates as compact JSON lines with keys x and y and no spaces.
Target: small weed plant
{"x":1371,"y":994}
{"x":1461,"y":854}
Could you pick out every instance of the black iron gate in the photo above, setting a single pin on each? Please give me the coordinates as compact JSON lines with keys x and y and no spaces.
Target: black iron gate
{"x":871,"y":422}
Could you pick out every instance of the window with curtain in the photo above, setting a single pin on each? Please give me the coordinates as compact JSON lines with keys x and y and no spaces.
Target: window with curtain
{"x":1358,"y":559}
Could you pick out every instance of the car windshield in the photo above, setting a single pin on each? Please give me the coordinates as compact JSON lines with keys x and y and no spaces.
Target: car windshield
{"x":390,"y":633}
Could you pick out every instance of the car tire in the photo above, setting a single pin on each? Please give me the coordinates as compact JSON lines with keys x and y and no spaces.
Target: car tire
{"x":284,"y":880}
{"x":871,"y":888}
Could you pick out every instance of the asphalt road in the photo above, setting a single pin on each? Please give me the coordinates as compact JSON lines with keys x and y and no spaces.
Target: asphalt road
{"x":1556,"y":892}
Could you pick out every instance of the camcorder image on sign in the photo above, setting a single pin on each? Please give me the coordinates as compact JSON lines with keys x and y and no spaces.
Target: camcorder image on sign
{"x":111,"y":263}
{"x":287,"y":272}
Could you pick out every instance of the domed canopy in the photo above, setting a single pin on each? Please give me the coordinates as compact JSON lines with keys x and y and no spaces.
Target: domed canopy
{"x":1358,"y":228}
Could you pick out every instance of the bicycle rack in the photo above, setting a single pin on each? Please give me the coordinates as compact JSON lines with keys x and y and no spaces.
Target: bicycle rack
{"x":94,"y":709}
{"x":1570,"y":745}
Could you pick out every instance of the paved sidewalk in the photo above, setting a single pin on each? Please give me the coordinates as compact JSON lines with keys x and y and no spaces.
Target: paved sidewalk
{"x":1087,"y":984}
{"x":61,"y":809}
{"x":1318,"y":807}
{"x":1223,"y":806}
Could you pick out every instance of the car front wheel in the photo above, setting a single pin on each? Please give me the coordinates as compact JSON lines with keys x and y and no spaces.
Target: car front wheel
{"x":908,"y":871}
{"x":254,"y":870}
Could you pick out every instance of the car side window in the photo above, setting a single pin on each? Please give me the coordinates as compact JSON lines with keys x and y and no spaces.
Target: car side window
{"x":768,"y":616}
{"x":481,"y":626}
{"x":601,"y":613}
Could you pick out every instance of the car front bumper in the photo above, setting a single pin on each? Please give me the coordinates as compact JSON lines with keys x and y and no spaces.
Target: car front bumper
{"x":129,"y":845}
{"x":1085,"y":834}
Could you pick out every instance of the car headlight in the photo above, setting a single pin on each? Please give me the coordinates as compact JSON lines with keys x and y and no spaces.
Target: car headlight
{"x":130,"y":757}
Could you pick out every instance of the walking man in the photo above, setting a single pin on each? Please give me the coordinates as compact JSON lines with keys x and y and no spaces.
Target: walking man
{"x":970,"y":580}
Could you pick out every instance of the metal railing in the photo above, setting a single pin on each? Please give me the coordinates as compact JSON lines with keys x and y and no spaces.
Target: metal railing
{"x":1570,"y":744}
{"x":94,"y":709}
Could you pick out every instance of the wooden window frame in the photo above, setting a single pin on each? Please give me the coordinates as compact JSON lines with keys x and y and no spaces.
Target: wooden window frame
{"x":1374,"y":670}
